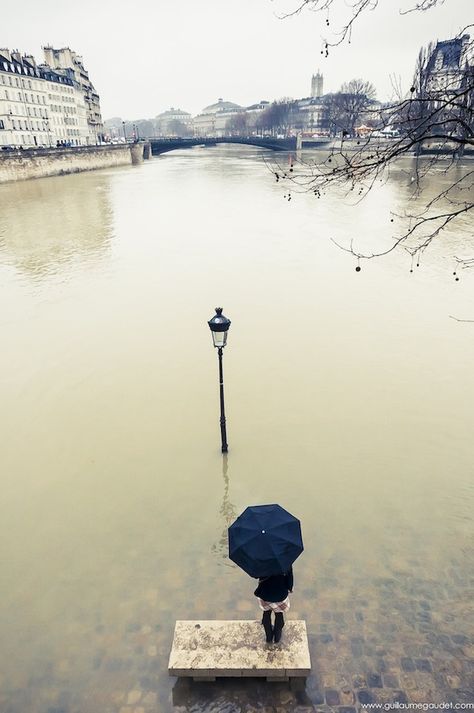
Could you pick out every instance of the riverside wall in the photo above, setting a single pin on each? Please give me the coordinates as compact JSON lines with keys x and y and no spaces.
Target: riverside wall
{"x":41,"y":162}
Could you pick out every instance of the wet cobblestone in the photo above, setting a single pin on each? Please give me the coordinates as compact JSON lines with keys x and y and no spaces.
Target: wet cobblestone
{"x":382,"y":656}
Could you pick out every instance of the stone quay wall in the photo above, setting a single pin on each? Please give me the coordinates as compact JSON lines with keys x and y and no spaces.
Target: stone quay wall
{"x":38,"y":163}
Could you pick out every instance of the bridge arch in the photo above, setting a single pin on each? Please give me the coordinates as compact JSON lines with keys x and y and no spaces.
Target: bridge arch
{"x":159,"y":146}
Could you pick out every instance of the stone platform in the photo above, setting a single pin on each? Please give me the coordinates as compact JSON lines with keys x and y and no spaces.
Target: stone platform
{"x":205,"y":650}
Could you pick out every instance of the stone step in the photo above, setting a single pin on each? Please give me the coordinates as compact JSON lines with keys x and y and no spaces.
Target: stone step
{"x":205,"y":650}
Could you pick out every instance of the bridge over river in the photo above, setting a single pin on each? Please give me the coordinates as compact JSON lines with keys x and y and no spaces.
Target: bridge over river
{"x":163,"y":145}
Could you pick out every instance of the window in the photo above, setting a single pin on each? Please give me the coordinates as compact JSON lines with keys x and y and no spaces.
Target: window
{"x":2,"y":125}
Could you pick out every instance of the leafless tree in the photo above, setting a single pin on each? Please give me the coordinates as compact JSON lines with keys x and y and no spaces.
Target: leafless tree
{"x":278,"y":117}
{"x":237,"y":125}
{"x":177,"y":128}
{"x":432,"y":125}
{"x":143,"y":128}
{"x":344,"y":108}
{"x":359,"y":88}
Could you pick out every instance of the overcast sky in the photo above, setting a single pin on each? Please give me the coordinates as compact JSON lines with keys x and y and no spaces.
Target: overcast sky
{"x":147,"y":56}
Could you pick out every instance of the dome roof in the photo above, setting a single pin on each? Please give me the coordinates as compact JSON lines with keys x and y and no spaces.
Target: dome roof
{"x":221,"y":105}
{"x":172,"y":112}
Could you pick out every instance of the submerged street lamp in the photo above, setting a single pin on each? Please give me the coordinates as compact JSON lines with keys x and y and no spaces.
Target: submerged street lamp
{"x":219,"y":326}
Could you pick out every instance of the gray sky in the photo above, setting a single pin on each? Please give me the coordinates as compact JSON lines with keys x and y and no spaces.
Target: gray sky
{"x":147,"y":56}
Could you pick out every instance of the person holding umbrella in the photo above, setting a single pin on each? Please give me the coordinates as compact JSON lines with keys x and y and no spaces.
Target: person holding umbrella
{"x":272,"y":593}
{"x":265,"y":541}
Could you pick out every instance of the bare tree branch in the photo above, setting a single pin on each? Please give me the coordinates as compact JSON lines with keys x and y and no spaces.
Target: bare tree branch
{"x":460,"y":320}
{"x":434,"y":126}
{"x":422,"y":6}
{"x":354,"y":8}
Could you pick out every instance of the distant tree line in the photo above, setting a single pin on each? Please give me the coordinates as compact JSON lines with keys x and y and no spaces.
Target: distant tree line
{"x":342,"y":112}
{"x":277,"y":119}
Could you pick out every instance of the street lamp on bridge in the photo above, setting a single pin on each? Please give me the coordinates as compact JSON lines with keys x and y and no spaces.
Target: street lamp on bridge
{"x":219,"y":326}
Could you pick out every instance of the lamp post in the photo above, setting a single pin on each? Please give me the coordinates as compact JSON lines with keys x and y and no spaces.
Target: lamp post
{"x":124,"y":133}
{"x":48,"y":129}
{"x":219,"y":326}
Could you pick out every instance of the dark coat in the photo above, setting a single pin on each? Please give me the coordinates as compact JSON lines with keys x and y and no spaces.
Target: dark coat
{"x":276,"y":587}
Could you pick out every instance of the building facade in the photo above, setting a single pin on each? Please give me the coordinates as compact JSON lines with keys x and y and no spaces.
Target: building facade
{"x":445,"y":89}
{"x":312,"y":115}
{"x":24,"y":110}
{"x":214,"y":119}
{"x":174,"y":122}
{"x":448,"y":66}
{"x":66,"y":62}
{"x":67,"y":109}
{"x":38,"y":106}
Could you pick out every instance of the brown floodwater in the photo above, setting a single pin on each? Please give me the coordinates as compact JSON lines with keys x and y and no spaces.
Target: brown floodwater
{"x":349,"y":400}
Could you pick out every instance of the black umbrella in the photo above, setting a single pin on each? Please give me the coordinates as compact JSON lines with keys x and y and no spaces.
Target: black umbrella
{"x":265,"y":540}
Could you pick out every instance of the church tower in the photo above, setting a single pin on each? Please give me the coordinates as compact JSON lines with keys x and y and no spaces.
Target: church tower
{"x":317,"y":85}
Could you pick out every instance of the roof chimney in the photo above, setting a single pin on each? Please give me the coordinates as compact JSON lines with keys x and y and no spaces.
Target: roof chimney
{"x":30,"y":59}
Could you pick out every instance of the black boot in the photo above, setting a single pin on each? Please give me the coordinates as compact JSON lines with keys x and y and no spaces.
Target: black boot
{"x":267,"y":625}
{"x":279,"y":624}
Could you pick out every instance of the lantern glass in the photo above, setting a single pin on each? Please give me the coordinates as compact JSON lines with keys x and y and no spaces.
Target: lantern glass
{"x":219,"y":326}
{"x":219,"y":339}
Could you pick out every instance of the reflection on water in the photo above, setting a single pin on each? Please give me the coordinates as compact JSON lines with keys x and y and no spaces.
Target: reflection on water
{"x":49,"y":222}
{"x":348,"y":398}
{"x":228,"y":515}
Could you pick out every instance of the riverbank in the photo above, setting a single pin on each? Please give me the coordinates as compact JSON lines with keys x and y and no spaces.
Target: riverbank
{"x":22,"y":165}
{"x":428,"y":148}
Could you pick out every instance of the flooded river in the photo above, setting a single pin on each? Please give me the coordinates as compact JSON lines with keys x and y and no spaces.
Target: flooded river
{"x":349,"y":399}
